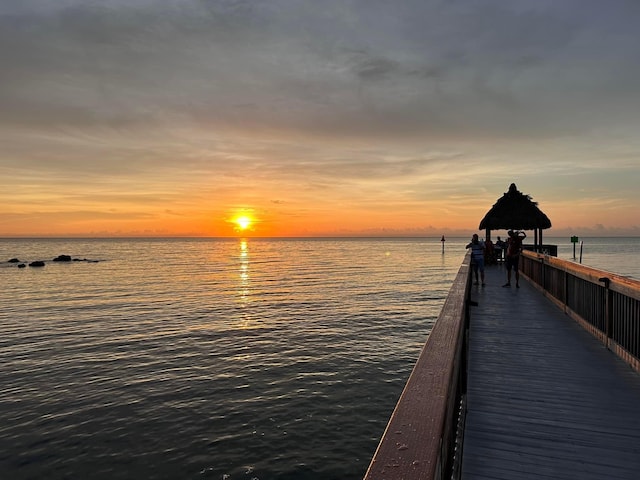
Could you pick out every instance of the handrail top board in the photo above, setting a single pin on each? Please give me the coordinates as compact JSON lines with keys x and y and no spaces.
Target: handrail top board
{"x":618,"y":283}
{"x":411,"y":443}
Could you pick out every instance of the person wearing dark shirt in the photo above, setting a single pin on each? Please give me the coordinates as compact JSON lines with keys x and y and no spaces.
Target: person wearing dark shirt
{"x":512,"y":259}
{"x":500,"y":247}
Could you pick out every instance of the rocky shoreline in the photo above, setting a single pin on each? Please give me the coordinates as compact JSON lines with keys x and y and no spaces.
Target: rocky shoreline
{"x":41,"y":263}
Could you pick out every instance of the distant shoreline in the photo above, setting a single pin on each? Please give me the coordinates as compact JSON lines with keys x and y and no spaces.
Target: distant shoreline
{"x":311,"y":237}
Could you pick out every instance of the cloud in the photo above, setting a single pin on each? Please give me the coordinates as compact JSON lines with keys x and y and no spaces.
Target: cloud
{"x":359,"y":68}
{"x":351,"y":101}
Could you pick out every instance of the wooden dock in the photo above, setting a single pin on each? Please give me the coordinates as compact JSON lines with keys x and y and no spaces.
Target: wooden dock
{"x":540,"y":382}
{"x":545,"y":399}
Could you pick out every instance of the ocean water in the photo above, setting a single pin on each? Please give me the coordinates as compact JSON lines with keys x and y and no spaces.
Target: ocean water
{"x":203,"y":358}
{"x":216,"y":358}
{"x":619,"y":255}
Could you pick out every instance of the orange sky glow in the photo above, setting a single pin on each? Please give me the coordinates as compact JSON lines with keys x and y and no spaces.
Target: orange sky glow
{"x":343,"y":120}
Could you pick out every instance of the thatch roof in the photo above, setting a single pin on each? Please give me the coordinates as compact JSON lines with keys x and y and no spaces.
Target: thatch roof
{"x":516,"y":211}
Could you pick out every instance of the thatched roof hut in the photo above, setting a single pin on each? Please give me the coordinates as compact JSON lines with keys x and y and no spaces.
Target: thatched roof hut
{"x":515,"y":211}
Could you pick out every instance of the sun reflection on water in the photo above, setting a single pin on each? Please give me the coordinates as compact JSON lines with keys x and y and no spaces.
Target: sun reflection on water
{"x":244,"y":291}
{"x":244,"y":268}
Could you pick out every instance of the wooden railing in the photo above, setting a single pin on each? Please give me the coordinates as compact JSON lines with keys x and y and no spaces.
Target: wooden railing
{"x":606,"y":304}
{"x":420,"y":441}
{"x":423,"y":437}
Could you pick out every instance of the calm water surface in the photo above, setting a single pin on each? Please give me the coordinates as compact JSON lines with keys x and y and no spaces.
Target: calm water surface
{"x":218,"y":359}
{"x":617,"y":255}
{"x":201,"y":358}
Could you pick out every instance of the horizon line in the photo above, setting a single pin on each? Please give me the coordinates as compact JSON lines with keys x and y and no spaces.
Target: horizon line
{"x":247,"y":237}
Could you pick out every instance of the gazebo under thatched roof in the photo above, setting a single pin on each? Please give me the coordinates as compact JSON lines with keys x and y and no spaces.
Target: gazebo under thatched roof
{"x":515,"y":211}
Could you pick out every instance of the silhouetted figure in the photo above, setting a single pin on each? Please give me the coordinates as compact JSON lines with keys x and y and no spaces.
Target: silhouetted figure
{"x":500,"y":247}
{"x":477,"y":257}
{"x":514,"y":247}
{"x":489,"y":253}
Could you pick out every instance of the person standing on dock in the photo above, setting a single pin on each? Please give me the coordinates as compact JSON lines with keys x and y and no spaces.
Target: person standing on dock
{"x":514,"y":247}
{"x":500,"y":248}
{"x":489,"y":252}
{"x":477,"y":257}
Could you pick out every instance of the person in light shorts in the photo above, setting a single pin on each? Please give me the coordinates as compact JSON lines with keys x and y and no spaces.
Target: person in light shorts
{"x":477,"y":257}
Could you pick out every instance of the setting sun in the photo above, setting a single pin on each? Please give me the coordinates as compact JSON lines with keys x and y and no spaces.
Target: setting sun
{"x":243,"y":222}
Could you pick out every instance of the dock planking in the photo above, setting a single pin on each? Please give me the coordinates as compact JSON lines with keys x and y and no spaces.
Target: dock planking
{"x":545,"y":399}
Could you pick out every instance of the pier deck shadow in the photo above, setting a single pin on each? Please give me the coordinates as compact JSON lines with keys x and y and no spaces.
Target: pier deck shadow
{"x":545,"y":399}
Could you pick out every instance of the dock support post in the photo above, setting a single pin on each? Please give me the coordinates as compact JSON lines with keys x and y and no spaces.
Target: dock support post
{"x":608,"y":310}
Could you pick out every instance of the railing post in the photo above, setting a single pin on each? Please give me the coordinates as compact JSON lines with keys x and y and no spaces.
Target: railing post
{"x":565,"y":300}
{"x":608,"y":310}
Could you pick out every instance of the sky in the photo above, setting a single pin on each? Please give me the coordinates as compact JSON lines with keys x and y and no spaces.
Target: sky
{"x":316,"y":118}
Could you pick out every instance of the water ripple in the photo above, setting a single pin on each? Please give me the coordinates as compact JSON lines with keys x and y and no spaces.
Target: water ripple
{"x":202,"y":358}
